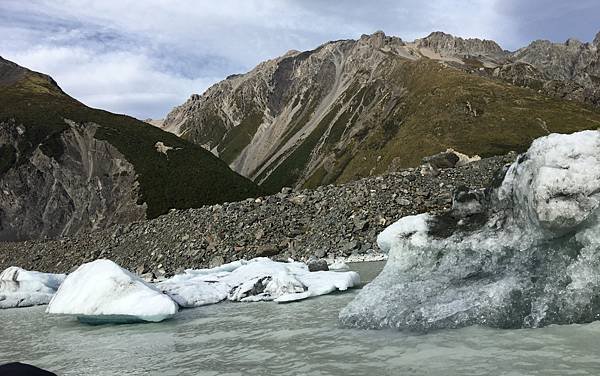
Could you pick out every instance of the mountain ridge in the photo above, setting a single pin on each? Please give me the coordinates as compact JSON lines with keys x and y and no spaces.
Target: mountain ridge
{"x":348,"y":108}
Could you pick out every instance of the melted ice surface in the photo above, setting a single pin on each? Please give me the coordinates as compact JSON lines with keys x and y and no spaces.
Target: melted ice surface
{"x":24,"y":288}
{"x":529,"y":257}
{"x":102,"y":291}
{"x":258,"y":279}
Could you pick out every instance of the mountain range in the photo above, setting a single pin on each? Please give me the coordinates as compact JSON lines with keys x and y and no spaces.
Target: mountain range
{"x":345,"y":110}
{"x":353,"y":108}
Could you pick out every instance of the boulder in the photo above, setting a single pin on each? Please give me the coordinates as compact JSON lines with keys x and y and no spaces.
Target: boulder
{"x":267,"y":250}
{"x":448,"y":159}
{"x":442,"y":160}
{"x":315,"y":265}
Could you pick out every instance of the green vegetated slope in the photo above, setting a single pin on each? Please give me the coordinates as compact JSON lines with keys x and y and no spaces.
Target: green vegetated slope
{"x":189,"y":177}
{"x":446,"y":108}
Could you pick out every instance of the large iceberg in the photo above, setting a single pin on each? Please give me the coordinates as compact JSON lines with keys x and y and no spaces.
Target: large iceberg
{"x":103,"y":292}
{"x":24,"y":288}
{"x":523,"y":253}
{"x":258,"y":279}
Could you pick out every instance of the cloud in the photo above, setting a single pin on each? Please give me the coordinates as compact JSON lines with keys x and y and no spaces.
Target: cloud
{"x":553,"y":20}
{"x":142,"y":58}
{"x":121,"y":81}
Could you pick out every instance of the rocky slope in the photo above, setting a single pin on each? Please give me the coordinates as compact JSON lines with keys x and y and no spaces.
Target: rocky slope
{"x":67,"y":168}
{"x":326,"y":222}
{"x":350,"y":108}
{"x":568,"y":70}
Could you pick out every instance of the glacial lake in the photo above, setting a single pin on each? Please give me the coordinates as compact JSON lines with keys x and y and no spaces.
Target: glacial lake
{"x":289,"y":339}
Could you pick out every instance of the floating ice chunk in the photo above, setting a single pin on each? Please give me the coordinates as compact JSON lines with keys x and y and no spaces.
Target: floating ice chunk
{"x":101,"y":291}
{"x":286,"y":298}
{"x":321,"y":283}
{"x":14,"y":273}
{"x":339,"y":265}
{"x":283,"y":283}
{"x":522,"y":254}
{"x":23,"y":288}
{"x":194,"y":292}
{"x":259,"y":279}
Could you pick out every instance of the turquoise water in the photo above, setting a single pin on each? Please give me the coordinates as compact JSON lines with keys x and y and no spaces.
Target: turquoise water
{"x":292,"y":339}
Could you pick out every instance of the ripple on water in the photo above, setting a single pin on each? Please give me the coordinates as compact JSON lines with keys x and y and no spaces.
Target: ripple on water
{"x":291,"y":339}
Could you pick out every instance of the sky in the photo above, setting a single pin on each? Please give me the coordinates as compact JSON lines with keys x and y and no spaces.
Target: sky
{"x":142,"y":58}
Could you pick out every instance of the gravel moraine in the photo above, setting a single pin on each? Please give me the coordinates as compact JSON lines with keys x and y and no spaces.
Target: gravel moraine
{"x":330,"y":221}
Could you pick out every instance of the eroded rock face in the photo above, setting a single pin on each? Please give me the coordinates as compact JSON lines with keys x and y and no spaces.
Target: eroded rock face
{"x":568,"y":70}
{"x":81,"y":184}
{"x":522,"y":254}
{"x":446,"y":44}
{"x":256,"y":120}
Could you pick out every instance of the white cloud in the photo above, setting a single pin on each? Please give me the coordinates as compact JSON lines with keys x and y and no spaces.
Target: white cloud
{"x":143,"y":57}
{"x":119,"y":81}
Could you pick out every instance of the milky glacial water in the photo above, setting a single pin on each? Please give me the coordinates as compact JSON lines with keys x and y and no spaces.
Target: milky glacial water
{"x":293,"y":339}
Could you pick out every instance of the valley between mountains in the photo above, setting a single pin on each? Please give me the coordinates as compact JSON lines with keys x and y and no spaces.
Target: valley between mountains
{"x":347,"y":112}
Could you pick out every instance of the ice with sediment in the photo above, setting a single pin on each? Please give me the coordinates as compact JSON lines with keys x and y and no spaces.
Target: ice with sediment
{"x":259,"y":279}
{"x":24,"y":288}
{"x":523,"y":253}
{"x":103,"y":292}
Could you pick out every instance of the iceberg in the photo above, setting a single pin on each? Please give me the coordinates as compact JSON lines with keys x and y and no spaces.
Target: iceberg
{"x":339,"y":265}
{"x":523,"y":253}
{"x":259,"y":279}
{"x":24,"y":288}
{"x":103,"y":292}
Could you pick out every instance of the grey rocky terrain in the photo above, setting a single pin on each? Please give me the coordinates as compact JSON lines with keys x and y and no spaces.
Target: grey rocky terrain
{"x":330,"y":221}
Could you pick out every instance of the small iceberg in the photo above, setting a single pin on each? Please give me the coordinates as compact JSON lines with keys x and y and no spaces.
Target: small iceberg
{"x":103,"y":292}
{"x":24,"y":288}
{"x":259,"y":279}
{"x":339,"y":265}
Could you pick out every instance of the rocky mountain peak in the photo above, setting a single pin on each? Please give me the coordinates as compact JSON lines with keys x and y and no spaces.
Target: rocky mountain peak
{"x":447,"y":44}
{"x":378,"y":39}
{"x":596,"y":41}
{"x":291,"y":53}
{"x":10,"y":72}
{"x":572,"y":60}
{"x":573,"y":42}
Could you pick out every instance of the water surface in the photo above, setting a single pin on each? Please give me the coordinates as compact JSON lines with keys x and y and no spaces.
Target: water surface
{"x":292,"y":339}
